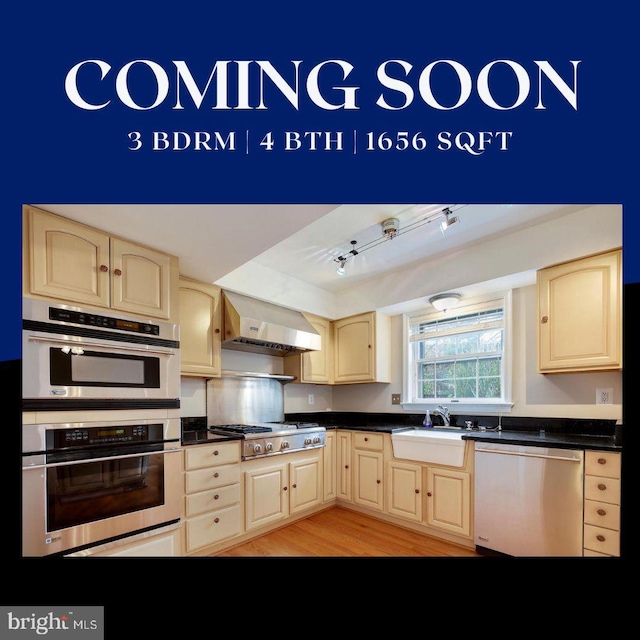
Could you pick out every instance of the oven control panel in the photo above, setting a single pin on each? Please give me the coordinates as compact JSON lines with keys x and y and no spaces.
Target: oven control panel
{"x":107,"y":322}
{"x":108,"y":435}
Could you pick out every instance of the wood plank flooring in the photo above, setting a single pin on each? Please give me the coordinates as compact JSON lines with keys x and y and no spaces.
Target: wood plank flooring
{"x":341,"y":532}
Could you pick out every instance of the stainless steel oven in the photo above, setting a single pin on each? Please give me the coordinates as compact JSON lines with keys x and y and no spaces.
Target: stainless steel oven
{"x":85,"y":484}
{"x":74,"y":358}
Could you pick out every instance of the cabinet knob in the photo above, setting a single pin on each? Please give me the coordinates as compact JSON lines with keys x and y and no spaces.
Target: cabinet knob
{"x":217,"y":330}
{"x":284,"y":488}
{"x":346,"y":466}
{"x":366,"y":439}
{"x":216,"y":474}
{"x":544,"y":319}
{"x":602,"y":487}
{"x":293,"y":486}
{"x":600,"y":538}
{"x":602,"y":461}
{"x":216,"y":497}
{"x":216,"y":520}
{"x":378,"y":481}
{"x":117,"y":272}
{"x":216,"y":452}
{"x":429,"y":493}
{"x":602,"y":512}
{"x":104,"y":268}
{"x":417,"y":490}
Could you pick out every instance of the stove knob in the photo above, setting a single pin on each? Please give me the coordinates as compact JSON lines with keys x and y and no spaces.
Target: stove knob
{"x":316,"y":440}
{"x":307,"y":440}
{"x":257,"y":448}
{"x":284,"y":444}
{"x":269,"y":446}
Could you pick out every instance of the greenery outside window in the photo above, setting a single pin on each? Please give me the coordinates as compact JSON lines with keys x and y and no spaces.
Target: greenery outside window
{"x":460,"y":357}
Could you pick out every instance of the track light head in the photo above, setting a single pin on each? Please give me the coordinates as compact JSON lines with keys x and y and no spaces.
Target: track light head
{"x":449,"y":219}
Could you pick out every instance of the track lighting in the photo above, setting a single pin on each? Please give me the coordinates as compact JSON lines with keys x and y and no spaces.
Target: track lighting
{"x":449,"y":219}
{"x":342,"y":260}
{"x":445,"y":301}
{"x":390,"y":227}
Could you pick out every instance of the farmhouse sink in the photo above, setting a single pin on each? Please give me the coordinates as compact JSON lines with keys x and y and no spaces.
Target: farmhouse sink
{"x":428,"y":445}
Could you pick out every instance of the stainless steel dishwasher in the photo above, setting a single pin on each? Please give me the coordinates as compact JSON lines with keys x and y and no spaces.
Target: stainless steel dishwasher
{"x":528,"y":500}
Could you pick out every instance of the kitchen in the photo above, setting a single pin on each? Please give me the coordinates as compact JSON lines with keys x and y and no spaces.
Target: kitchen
{"x":505,"y":260}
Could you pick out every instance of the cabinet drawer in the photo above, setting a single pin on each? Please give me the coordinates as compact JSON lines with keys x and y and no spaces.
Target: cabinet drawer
{"x":198,"y":456}
{"x":213,"y":499}
{"x":602,"y":514}
{"x":602,"y":540}
{"x":212,"y":527}
{"x":211,"y":478}
{"x":602,"y":489}
{"x":370,"y":441}
{"x":599,"y":463}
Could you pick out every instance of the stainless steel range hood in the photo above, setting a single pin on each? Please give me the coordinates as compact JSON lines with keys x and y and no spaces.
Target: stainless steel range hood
{"x":261,"y":327}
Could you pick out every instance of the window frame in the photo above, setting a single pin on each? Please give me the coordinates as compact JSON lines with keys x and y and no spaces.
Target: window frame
{"x":471,"y":405}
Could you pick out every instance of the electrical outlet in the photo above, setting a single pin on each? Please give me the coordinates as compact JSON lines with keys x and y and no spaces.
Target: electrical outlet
{"x":311,"y":398}
{"x":395,"y":398}
{"x":604,"y":396}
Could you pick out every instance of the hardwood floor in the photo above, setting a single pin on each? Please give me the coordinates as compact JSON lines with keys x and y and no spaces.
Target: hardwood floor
{"x":341,"y":532}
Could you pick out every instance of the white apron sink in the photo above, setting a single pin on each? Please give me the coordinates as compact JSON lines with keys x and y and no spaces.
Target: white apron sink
{"x":426,"y":445}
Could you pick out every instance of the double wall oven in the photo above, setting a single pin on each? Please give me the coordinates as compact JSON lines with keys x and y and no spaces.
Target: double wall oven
{"x":101,"y":458}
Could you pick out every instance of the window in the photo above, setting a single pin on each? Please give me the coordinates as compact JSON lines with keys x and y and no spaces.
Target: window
{"x":460,"y":357}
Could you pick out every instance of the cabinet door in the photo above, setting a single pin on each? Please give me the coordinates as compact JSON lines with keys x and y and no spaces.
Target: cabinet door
{"x":266,"y":495}
{"x":579,"y":305}
{"x":316,"y":365}
{"x":449,"y":500}
{"x":306,"y":484}
{"x":368,"y":475}
{"x":330,"y":475}
{"x":404,"y":490}
{"x":343,"y":463}
{"x":354,"y":348}
{"x":140,"y":279}
{"x":200,"y":319}
{"x":66,"y":260}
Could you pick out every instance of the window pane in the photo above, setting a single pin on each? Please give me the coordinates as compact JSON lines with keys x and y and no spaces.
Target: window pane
{"x":466,"y":388}
{"x":489,"y":387}
{"x":445,"y":389}
{"x":466,"y":368}
{"x":489,"y":367}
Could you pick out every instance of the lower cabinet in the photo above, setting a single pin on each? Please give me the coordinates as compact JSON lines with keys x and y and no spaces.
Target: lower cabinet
{"x":213,"y":510}
{"x":368,"y":470}
{"x":275,"y":489}
{"x":449,"y":500}
{"x":602,"y":492}
{"x":163,"y":545}
{"x":404,"y":490}
{"x":343,"y":465}
{"x":329,"y":475}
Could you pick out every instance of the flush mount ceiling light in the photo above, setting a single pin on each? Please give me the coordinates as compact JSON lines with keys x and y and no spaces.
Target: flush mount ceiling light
{"x":445,"y":301}
{"x":391,"y":229}
{"x":449,"y":219}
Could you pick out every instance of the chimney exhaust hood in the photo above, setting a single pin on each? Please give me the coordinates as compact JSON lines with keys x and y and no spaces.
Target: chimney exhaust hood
{"x":261,"y":327}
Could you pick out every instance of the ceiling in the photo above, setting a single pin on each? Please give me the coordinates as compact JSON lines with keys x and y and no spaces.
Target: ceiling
{"x":303,"y":241}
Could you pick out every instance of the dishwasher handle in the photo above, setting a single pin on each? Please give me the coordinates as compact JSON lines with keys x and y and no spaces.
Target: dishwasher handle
{"x":528,"y":454}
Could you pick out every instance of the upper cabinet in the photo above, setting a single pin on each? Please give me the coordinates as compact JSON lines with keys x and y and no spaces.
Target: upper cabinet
{"x":200,"y":329}
{"x":580,"y":315}
{"x":315,"y":367}
{"x":361,"y":348}
{"x":69,"y":261}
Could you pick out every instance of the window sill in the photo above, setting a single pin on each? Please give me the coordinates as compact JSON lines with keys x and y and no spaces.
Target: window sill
{"x":460,"y":407}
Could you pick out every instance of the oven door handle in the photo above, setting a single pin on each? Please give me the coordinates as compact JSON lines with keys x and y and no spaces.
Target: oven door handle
{"x":106,"y":458}
{"x":31,"y":338}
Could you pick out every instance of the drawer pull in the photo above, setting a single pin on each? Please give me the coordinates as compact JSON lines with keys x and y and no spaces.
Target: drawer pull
{"x":216,"y":520}
{"x":366,"y":439}
{"x":429,"y":493}
{"x":600,"y":538}
{"x":216,"y":497}
{"x":602,"y":487}
{"x":602,"y":461}
{"x":216,"y":475}
{"x":417,"y":490}
{"x":602,"y":512}
{"x":216,"y":452}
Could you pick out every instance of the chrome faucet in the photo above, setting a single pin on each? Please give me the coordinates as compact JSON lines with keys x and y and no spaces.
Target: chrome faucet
{"x":444,"y":413}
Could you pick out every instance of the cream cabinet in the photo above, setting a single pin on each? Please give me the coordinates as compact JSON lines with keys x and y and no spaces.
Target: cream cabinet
{"x":200,"y":329}
{"x":579,"y":315}
{"x":164,"y":545}
{"x":343,"y":465}
{"x":361,"y":348}
{"x":329,"y":460}
{"x":404,"y":490}
{"x":314,"y":367}
{"x":69,"y":261}
{"x":278,"y":487}
{"x":213,"y":500}
{"x":449,"y":500}
{"x":602,"y":493}
{"x":368,"y":470}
